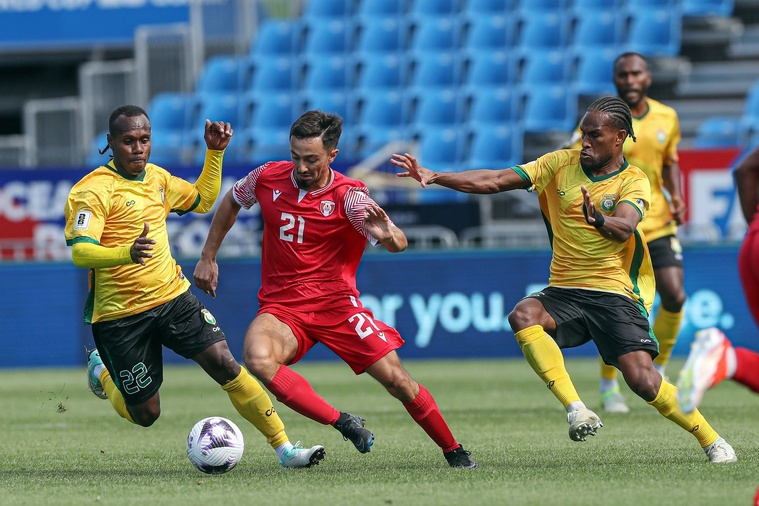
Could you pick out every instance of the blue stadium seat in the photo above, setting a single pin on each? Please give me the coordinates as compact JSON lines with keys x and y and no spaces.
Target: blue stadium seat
{"x":490,"y":6}
{"x":441,"y":148}
{"x":548,"y":108}
{"x":381,"y":71}
{"x":434,"y":108}
{"x":700,"y":8}
{"x":542,"y":67}
{"x":276,"y":37}
{"x":435,"y":34}
{"x":489,"y":68}
{"x":276,"y":73}
{"x":269,"y":119}
{"x":328,"y":101}
{"x":381,"y":35}
{"x":327,"y":37}
{"x":540,"y":29}
{"x":172,"y":111}
{"x":171,"y":147}
{"x":718,"y":132}
{"x":589,"y":5}
{"x":494,"y":147}
{"x":435,"y":70}
{"x":488,"y":31}
{"x":223,"y":74}
{"x":592,"y":72}
{"x":330,"y":73}
{"x":593,"y":27}
{"x":316,"y":9}
{"x":381,"y":118}
{"x":654,"y":32}
{"x":381,"y":8}
{"x":226,"y":107}
{"x":491,"y":106}
{"x":543,"y":5}
{"x":433,"y":7}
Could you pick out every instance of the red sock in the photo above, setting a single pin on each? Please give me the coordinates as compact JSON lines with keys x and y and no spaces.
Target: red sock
{"x":296,"y":393}
{"x":423,"y":409}
{"x":747,"y":368}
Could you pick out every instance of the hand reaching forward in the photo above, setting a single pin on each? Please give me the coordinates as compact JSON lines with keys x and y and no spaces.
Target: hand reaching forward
{"x":410,"y":164}
{"x":142,"y":246}
{"x":217,"y":134}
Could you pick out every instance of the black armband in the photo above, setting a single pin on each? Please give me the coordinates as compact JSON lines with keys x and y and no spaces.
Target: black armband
{"x":597,"y":216}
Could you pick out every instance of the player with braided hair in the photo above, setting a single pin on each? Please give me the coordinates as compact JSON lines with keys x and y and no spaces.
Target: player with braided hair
{"x":601,"y":283}
{"x":656,"y":155}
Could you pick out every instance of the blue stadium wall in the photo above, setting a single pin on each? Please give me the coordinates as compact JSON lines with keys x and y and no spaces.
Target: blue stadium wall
{"x":446,"y":305}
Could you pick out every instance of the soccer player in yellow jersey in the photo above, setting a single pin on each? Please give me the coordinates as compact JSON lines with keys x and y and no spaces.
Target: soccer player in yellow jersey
{"x":601,"y":281}
{"x":139,"y":299}
{"x":655,"y":153}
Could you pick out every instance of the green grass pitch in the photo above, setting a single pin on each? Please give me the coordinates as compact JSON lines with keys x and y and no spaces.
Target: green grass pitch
{"x":63,"y":446}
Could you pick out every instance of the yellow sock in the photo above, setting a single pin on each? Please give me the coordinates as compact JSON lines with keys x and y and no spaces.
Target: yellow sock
{"x":114,"y":395}
{"x":695,"y":423}
{"x":254,"y":404}
{"x":608,"y":372}
{"x":666,"y":328}
{"x":545,"y":358}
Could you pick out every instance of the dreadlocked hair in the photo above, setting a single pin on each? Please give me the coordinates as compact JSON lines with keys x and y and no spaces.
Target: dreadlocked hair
{"x":618,"y":111}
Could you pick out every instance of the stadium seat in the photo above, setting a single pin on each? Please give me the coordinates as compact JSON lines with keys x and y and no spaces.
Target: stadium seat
{"x":381,"y":118}
{"x":700,"y":8}
{"x":269,"y":119}
{"x":434,"y":108}
{"x":435,"y":34}
{"x":277,"y":73}
{"x":592,"y":72}
{"x":543,"y":5}
{"x":373,"y":8}
{"x":435,"y":70}
{"x":433,"y":7}
{"x":587,"y":6}
{"x":488,"y":31}
{"x":595,"y":27}
{"x":222,"y":74}
{"x":170,"y":147}
{"x":548,"y":108}
{"x":317,"y":9}
{"x":489,"y":68}
{"x":540,"y":29}
{"x":327,"y":37}
{"x":542,"y":67}
{"x":380,"y":71}
{"x":330,"y":73}
{"x":654,"y":32}
{"x":493,"y":147}
{"x":381,"y":35}
{"x":276,"y":37}
{"x":487,"y":106}
{"x":490,"y":6}
{"x":172,"y":111}
{"x":332,"y":101}
{"x":441,"y":148}
{"x":219,"y":107}
{"x":717,"y":132}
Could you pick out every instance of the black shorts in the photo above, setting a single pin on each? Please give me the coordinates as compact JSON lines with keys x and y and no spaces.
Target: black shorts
{"x":666,"y":252}
{"x":615,"y":323}
{"x":131,"y":347}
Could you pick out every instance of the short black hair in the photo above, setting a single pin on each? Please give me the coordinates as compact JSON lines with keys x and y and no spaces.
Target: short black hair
{"x":618,"y":111}
{"x":129,"y":111}
{"x":317,"y":123}
{"x":628,"y":54}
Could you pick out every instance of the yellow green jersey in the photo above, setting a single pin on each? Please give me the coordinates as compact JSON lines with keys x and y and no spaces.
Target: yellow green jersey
{"x":582,"y":257}
{"x":110,"y":208}
{"x":658,"y":133}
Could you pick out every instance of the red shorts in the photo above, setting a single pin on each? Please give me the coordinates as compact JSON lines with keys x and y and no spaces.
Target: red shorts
{"x":748,"y":268}
{"x":350,"y":332}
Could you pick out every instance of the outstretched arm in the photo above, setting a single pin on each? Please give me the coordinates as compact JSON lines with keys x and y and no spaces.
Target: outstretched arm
{"x":470,"y":181}
{"x":95,"y":256}
{"x":379,"y":225}
{"x":747,"y":182}
{"x":217,"y":136}
{"x":206,"y":273}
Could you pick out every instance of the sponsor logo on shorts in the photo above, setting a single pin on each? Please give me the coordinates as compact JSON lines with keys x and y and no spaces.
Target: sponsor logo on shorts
{"x":208,"y":317}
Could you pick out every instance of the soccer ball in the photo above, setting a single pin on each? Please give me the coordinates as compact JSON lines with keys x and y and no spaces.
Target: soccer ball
{"x":215,"y":445}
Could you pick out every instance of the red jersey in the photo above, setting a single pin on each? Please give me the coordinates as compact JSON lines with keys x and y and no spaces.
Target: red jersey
{"x":313,"y":241}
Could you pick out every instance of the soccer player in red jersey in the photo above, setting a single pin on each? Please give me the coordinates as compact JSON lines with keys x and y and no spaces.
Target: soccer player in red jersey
{"x":317,"y":223}
{"x":713,"y":358}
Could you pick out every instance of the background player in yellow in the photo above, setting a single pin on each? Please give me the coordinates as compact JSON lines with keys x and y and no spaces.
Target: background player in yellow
{"x":601,"y":280}
{"x":655,"y":152}
{"x":139,"y":299}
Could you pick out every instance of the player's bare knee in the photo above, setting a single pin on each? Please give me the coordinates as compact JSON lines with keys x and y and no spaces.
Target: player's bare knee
{"x":645,"y":386}
{"x":146,"y":416}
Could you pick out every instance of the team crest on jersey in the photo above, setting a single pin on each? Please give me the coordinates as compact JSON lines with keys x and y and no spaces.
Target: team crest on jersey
{"x":208,"y":317}
{"x":163,"y":196}
{"x":609,"y":202}
{"x":327,"y":207}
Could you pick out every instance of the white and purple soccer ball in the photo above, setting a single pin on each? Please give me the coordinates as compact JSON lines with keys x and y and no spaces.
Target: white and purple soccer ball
{"x":215,"y":445}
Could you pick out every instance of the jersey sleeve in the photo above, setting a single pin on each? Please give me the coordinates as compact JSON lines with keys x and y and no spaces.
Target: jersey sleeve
{"x":244,"y":189}
{"x":356,"y":200}
{"x":182,"y":195}
{"x":539,"y":173}
{"x":85,"y":213}
{"x":637,"y":192}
